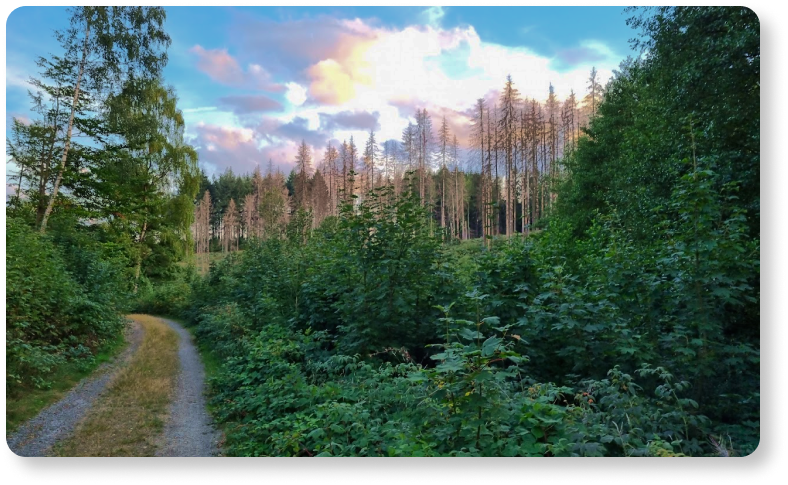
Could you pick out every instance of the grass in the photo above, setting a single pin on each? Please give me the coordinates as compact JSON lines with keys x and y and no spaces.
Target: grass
{"x":129,"y":418}
{"x":27,"y":402}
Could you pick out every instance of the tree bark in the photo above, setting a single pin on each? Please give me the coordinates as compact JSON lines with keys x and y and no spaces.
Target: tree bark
{"x":63,"y":159}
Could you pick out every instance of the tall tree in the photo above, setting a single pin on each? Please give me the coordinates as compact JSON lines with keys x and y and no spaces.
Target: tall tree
{"x":594,"y":91}
{"x":371,"y":154}
{"x":444,"y":142}
{"x":507,"y":124}
{"x":424,"y":150}
{"x":409,"y":144}
{"x":303,"y":166}
{"x":345,"y":155}
{"x":552,"y":124}
{"x":103,"y":46}
{"x":147,"y":176}
{"x":230,"y":228}
{"x":478,"y":142}
{"x":330,"y":158}
{"x":352,"y":156}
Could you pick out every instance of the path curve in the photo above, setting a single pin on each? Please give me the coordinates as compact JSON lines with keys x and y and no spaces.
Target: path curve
{"x":189,"y":430}
{"x":58,"y":420}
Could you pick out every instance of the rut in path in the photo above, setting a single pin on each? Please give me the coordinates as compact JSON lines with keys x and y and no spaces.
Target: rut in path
{"x":57,"y":421}
{"x":189,"y":430}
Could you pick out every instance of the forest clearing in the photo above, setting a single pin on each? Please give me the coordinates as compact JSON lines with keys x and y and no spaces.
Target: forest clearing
{"x":553,"y":256}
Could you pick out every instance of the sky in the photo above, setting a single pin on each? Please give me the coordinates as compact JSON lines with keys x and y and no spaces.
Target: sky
{"x":254,"y":82}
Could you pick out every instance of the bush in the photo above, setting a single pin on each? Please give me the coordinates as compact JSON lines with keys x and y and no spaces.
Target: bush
{"x":51,"y":317}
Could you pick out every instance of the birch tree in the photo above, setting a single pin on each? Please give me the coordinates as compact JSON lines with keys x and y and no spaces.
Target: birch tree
{"x":102,"y":47}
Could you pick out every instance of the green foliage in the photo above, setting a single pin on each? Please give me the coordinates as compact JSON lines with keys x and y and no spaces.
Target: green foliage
{"x":313,"y":359}
{"x":373,"y":280}
{"x":628,"y":326}
{"x":62,"y":303}
{"x":166,"y":297}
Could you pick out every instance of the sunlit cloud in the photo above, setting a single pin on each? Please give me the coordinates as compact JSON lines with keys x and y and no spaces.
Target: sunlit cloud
{"x":221,"y":67}
{"x":296,"y":94}
{"x":341,"y":78}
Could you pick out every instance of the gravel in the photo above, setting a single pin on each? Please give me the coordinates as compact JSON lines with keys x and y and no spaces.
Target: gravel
{"x":189,"y":430}
{"x":57,"y":421}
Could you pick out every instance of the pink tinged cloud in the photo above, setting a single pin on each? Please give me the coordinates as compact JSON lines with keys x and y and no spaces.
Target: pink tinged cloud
{"x":223,"y":68}
{"x":580,"y":55}
{"x":245,"y":104}
{"x":10,"y":191}
{"x":223,"y":147}
{"x":350,"y":120}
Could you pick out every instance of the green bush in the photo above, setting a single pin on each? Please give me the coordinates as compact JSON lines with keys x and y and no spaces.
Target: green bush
{"x":51,"y":317}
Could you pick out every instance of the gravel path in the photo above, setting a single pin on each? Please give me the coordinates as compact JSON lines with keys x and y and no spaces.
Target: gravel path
{"x":57,"y":421}
{"x":189,"y":430}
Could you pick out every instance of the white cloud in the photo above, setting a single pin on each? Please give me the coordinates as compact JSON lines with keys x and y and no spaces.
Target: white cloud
{"x":433,"y":15}
{"x":296,"y":94}
{"x":17,"y":78}
{"x":199,"y":110}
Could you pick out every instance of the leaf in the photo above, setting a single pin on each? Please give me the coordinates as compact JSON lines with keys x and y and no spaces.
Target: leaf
{"x":489,"y":346}
{"x":469,"y":334}
{"x":316,"y":433}
{"x":492,"y":321}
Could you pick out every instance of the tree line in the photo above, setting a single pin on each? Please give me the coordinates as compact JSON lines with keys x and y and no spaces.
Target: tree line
{"x":502,"y":183}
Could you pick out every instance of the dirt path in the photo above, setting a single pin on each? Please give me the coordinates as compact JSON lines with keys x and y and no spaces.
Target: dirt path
{"x":189,"y":430}
{"x":57,"y":421}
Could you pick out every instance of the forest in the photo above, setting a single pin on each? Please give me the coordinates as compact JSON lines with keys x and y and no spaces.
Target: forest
{"x":581,"y":279}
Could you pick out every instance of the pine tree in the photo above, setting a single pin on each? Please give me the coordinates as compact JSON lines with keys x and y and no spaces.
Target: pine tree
{"x":230,"y":228}
{"x":443,"y":142}
{"x":330,"y":158}
{"x":371,"y":154}
{"x":508,"y":132}
{"x":303,"y":166}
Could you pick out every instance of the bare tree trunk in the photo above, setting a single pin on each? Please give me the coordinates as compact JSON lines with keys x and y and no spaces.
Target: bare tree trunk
{"x":138,"y":267}
{"x":63,"y":159}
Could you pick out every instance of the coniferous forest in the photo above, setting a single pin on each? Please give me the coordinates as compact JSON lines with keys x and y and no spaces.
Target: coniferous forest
{"x":582,"y":278}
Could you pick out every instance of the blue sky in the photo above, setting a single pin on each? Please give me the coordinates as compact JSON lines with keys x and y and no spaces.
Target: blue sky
{"x":253,"y":82}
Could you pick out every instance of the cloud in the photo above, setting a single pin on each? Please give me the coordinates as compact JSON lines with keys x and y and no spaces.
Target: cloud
{"x":433,"y":15}
{"x":200,"y":109}
{"x":21,"y":117}
{"x":223,"y":147}
{"x":298,"y":130}
{"x":343,"y":77}
{"x":360,"y":65}
{"x":579,"y":55}
{"x":10,"y":191}
{"x":245,"y":104}
{"x":350,"y":120}
{"x":527,"y":29}
{"x":223,"y":68}
{"x":16,"y":78}
{"x":296,"y":94}
{"x":331,"y":83}
{"x":288,"y":48}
